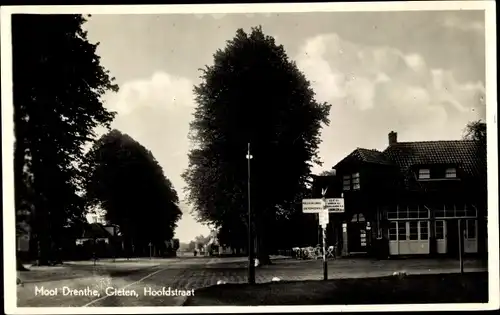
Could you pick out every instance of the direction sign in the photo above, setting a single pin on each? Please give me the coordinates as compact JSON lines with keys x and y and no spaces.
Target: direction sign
{"x":335,"y":205}
{"x":312,"y":205}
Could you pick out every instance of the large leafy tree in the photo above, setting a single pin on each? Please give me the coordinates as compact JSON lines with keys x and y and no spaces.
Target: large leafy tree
{"x":124,"y":179}
{"x":252,"y":94}
{"x":58,"y":83}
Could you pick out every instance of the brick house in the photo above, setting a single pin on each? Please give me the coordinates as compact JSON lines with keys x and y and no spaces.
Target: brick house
{"x":410,"y":199}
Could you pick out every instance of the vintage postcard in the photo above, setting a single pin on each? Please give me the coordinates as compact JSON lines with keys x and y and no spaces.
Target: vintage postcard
{"x":250,"y":157}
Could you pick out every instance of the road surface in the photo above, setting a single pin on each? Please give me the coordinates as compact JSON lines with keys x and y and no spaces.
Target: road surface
{"x":168,"y":282}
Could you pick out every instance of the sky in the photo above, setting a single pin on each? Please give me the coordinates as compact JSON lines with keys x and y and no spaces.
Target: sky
{"x":419,"y":73}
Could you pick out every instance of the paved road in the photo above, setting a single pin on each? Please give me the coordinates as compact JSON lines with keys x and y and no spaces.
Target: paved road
{"x":189,"y":274}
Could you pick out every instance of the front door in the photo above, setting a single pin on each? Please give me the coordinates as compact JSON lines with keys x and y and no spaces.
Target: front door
{"x":470,"y":236}
{"x":441,"y":236}
{"x":357,"y":237}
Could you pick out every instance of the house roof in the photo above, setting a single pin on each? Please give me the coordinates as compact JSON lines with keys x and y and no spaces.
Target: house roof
{"x":463,"y":153}
{"x":95,"y":230}
{"x":367,"y":156}
{"x":372,"y":156}
{"x":405,"y":155}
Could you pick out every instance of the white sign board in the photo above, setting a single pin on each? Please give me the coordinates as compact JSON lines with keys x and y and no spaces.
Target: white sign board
{"x":312,"y":205}
{"x":324,"y":218}
{"x":335,"y":205}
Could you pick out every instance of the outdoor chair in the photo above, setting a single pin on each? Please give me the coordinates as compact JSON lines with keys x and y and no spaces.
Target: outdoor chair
{"x":331,"y":252}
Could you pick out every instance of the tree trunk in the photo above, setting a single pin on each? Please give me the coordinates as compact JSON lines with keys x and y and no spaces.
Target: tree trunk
{"x":262,"y":250}
{"x":43,"y":252}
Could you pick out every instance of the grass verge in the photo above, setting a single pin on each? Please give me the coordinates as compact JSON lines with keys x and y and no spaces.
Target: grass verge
{"x":413,"y":289}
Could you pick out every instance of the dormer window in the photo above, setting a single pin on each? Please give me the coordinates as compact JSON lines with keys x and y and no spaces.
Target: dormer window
{"x":424,"y":173}
{"x":437,"y":172}
{"x":451,"y":172}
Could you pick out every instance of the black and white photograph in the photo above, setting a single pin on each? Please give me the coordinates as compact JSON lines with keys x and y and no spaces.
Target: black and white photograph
{"x":300,"y":156}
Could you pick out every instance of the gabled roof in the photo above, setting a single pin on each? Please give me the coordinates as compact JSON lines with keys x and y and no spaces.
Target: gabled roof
{"x":463,"y":153}
{"x":372,"y":156}
{"x":366,"y":156}
{"x":405,"y":155}
{"x":95,"y":230}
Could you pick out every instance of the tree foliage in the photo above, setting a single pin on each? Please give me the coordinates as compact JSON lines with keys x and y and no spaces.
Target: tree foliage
{"x":252,"y":94}
{"x":327,"y":173}
{"x":124,"y":179}
{"x":476,"y":130}
{"x":58,"y":83}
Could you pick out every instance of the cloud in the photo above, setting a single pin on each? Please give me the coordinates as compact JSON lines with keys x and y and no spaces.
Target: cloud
{"x":375,"y":89}
{"x":160,"y":90}
{"x":156,"y":112}
{"x":453,"y":22}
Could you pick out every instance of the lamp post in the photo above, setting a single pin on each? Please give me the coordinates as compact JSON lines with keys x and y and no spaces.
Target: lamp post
{"x":251,"y":266}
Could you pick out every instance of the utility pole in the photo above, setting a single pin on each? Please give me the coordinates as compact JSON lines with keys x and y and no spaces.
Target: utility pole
{"x":323,"y":227}
{"x":251,"y":266}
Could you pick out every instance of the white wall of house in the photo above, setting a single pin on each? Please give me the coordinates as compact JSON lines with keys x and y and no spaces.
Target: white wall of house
{"x":96,"y":216}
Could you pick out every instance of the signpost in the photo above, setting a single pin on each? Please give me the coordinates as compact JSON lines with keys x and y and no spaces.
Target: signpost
{"x":323,"y":207}
{"x":324,"y":219}
{"x":150,"y":256}
{"x":333,"y":205}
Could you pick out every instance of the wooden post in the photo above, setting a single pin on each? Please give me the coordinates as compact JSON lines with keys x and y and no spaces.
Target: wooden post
{"x":461,"y":245}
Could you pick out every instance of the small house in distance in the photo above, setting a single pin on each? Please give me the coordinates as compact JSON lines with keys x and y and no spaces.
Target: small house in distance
{"x":413,"y":198}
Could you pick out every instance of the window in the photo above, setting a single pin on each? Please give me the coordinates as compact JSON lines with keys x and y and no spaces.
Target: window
{"x":409,"y":212}
{"x":402,"y":231}
{"x":470,"y":210}
{"x":424,"y":230}
{"x":393,"y":231}
{"x":347,"y":182}
{"x":402,"y":212}
{"x":456,"y":211}
{"x":355,"y":181}
{"x":470,"y":229}
{"x":392,"y":215}
{"x":439,"y":213}
{"x":413,"y":230}
{"x":424,"y":173}
{"x":451,"y":172}
{"x":460,"y":211}
{"x":440,"y":230}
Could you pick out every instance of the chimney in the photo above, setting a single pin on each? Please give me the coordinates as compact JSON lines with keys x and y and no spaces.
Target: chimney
{"x":393,"y":138}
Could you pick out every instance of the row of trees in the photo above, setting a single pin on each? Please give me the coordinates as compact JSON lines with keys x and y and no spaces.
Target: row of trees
{"x":58,"y":84}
